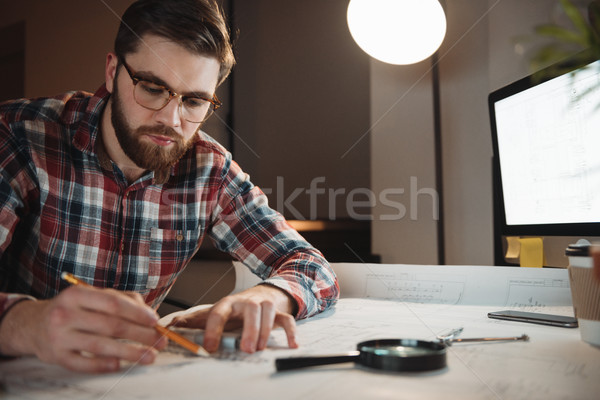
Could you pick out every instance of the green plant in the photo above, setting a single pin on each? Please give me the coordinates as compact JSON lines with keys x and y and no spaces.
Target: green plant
{"x":581,"y":42}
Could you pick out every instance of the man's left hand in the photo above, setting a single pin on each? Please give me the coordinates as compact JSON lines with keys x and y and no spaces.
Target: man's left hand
{"x":257,"y":310}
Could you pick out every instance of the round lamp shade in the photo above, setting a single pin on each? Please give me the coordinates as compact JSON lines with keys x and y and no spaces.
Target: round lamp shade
{"x":397,"y":31}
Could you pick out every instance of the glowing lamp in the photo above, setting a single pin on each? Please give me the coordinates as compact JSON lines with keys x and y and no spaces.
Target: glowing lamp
{"x":397,"y":31}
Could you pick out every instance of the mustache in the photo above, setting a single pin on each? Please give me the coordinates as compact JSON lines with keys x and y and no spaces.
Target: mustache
{"x":160,"y":130}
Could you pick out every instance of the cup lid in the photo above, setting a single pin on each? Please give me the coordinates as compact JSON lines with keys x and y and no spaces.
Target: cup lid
{"x":578,"y":250}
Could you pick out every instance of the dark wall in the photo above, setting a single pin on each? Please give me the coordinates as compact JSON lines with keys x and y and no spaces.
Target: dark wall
{"x":301,"y":104}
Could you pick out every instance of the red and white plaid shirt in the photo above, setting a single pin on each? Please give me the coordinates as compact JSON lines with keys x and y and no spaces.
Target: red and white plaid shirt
{"x":60,"y":210}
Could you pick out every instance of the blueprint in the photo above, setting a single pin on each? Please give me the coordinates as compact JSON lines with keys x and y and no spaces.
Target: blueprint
{"x":444,"y":284}
{"x":422,"y":302}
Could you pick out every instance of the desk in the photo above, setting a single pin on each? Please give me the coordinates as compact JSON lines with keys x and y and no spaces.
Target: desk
{"x":554,"y":364}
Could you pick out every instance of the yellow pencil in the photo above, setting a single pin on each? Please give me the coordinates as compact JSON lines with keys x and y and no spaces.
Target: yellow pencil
{"x":180,"y":340}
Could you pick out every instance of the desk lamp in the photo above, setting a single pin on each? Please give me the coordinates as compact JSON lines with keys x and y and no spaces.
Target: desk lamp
{"x":397,"y":31}
{"x":405,"y":32}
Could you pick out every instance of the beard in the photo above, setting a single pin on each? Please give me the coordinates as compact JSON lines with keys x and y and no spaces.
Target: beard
{"x":143,"y":153}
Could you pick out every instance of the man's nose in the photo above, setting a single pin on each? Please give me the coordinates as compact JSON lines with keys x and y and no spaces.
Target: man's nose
{"x":170,"y":115}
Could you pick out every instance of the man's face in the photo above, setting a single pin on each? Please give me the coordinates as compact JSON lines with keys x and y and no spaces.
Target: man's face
{"x":156,"y":140}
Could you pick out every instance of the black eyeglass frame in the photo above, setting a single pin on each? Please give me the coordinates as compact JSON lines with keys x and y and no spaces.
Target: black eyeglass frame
{"x":215,"y":102}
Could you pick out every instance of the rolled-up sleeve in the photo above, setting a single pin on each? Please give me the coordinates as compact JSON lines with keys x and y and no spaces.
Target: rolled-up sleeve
{"x":243,"y":225}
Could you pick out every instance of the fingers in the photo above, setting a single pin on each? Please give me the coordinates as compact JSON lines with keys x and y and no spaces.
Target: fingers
{"x":81,"y":363}
{"x":82,"y":327}
{"x":82,"y":320}
{"x":215,"y":324}
{"x":196,"y":319}
{"x":258,"y":322}
{"x":258,"y":319}
{"x":108,"y":313}
{"x":91,"y":353}
{"x":256,"y":310}
{"x":127,"y":305}
{"x":287,"y":322}
{"x":267,"y":318}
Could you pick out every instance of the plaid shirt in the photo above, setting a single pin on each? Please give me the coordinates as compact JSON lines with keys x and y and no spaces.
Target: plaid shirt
{"x":60,"y":210}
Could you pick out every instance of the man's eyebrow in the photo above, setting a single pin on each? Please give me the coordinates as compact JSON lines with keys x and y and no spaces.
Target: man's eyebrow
{"x":149,"y":76}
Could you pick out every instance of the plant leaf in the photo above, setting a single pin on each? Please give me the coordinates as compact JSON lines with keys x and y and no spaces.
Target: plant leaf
{"x":560,"y":33}
{"x":546,"y":58}
{"x":575,"y":16}
{"x":594,"y":17}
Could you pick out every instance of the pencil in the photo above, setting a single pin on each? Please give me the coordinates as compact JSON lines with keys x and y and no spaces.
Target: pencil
{"x":180,"y":340}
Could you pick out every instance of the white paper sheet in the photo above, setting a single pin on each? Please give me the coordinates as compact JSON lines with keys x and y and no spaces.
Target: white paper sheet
{"x":468,"y":285}
{"x":553,"y":364}
{"x":423,"y":301}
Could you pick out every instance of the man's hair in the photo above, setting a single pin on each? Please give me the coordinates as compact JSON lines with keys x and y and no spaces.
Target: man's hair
{"x":197,"y":25}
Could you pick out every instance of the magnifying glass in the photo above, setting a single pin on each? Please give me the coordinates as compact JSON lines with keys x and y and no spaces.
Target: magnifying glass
{"x":393,"y":354}
{"x":383,"y":354}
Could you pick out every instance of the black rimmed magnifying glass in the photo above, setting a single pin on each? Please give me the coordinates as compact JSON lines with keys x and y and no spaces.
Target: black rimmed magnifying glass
{"x":383,"y":354}
{"x":402,"y":355}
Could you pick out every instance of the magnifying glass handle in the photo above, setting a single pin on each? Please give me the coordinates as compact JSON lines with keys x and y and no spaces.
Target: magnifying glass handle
{"x":523,"y":337}
{"x":283,"y":364}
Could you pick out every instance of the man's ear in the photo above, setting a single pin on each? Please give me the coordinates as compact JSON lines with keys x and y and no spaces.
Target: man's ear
{"x":111,"y":71}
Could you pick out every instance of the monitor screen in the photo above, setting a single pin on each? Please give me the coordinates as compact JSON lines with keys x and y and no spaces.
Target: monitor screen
{"x":546,"y":137}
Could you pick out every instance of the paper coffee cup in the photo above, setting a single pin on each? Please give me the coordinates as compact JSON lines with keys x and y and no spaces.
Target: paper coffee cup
{"x":585,"y":292}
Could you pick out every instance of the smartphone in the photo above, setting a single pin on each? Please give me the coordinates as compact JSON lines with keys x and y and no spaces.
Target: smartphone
{"x":535,"y":318}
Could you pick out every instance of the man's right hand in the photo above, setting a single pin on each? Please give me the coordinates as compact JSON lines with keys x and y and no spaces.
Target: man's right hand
{"x":81,"y":329}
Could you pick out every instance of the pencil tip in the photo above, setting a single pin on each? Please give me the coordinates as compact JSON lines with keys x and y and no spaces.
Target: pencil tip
{"x":202,"y":352}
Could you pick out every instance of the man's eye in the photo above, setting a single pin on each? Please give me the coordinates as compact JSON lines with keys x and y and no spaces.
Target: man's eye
{"x":194,"y":102}
{"x":151,"y":88}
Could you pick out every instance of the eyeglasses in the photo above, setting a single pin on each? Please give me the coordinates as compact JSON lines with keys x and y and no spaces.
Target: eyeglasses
{"x":154,"y":96}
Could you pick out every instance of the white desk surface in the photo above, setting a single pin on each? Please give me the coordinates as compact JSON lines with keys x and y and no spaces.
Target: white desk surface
{"x":554,"y":364}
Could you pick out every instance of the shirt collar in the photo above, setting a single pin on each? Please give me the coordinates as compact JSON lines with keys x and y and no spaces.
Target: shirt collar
{"x":89,"y":128}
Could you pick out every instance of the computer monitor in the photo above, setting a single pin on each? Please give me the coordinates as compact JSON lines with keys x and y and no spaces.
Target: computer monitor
{"x":546,"y":140}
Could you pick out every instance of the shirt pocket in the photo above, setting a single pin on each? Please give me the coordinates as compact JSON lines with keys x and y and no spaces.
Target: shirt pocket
{"x":170,"y":252}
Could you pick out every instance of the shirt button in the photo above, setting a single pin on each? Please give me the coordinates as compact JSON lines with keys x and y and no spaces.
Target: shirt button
{"x":122,"y":246}
{"x":179,"y":237}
